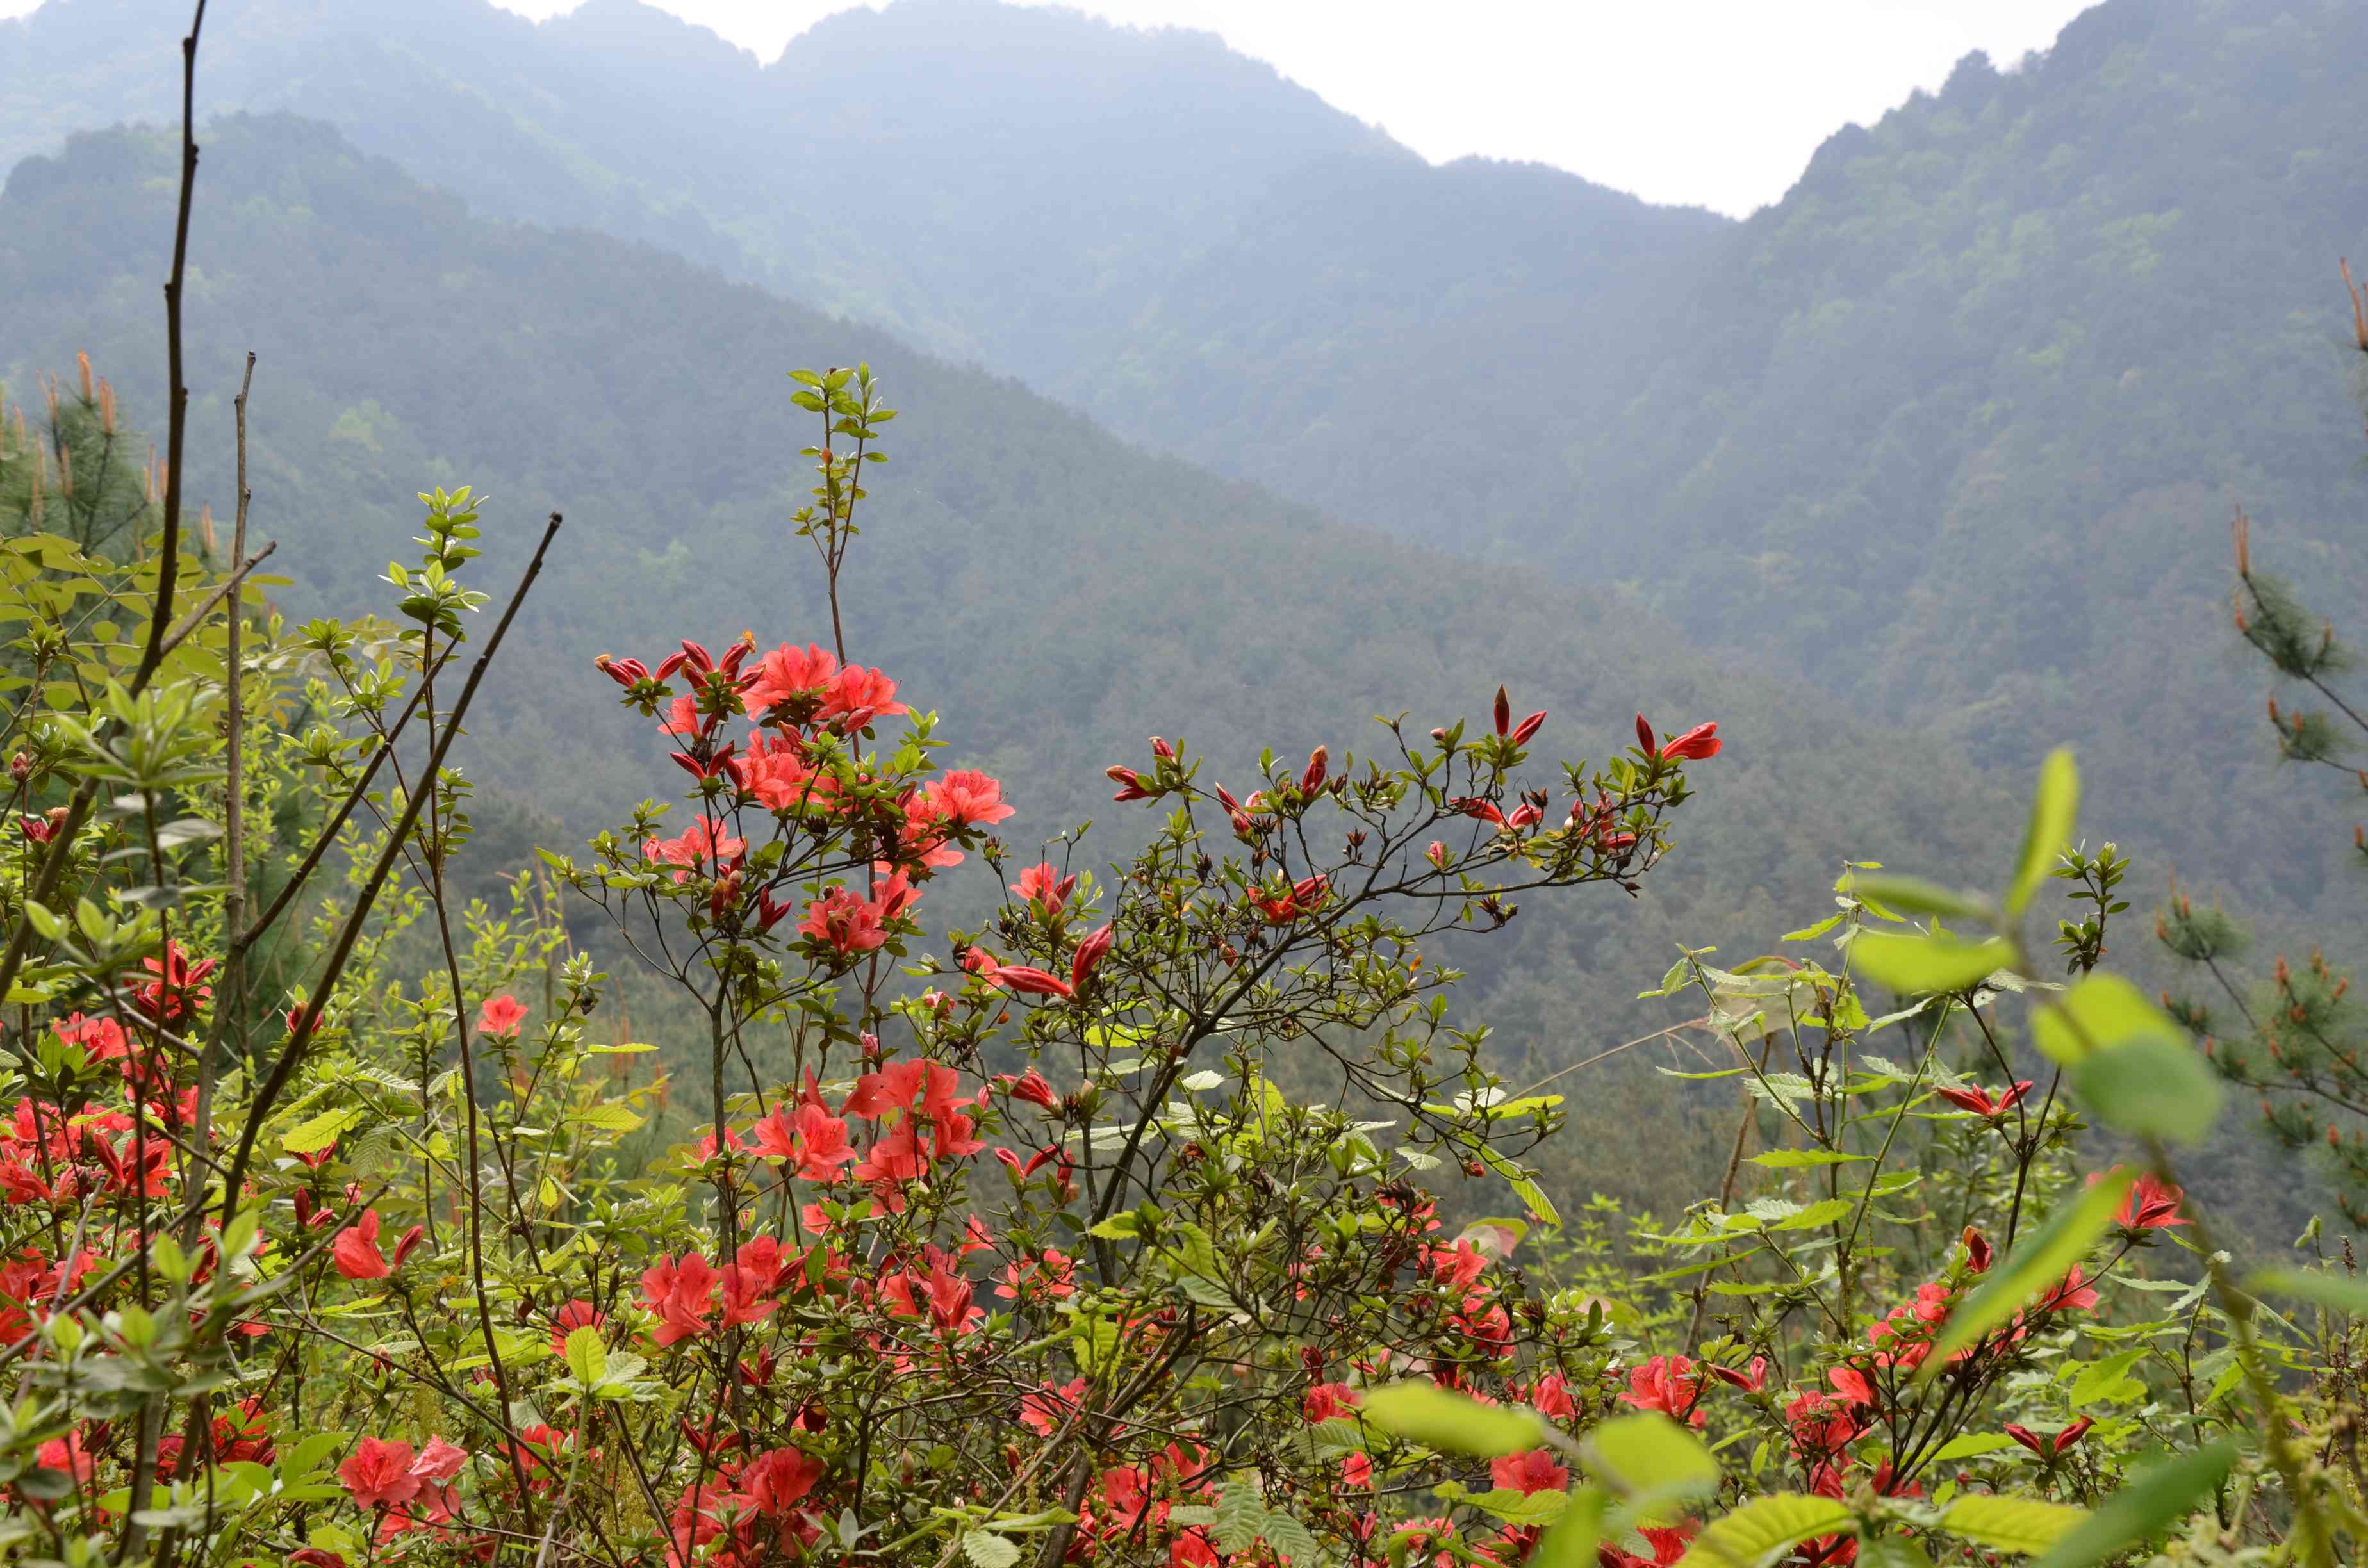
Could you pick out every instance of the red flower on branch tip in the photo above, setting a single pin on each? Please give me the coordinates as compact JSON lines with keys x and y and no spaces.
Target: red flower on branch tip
{"x":501,"y":1017}
{"x":1695,"y":745}
{"x":2050,"y":1447}
{"x":1982,"y":1103}
{"x":2151,"y":1204}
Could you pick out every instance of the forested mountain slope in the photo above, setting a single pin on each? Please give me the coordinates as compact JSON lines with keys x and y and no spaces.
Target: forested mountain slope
{"x":1952,"y":432}
{"x":1055,"y":593}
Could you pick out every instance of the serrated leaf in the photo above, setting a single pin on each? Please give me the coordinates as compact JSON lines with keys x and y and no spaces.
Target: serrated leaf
{"x":1424,"y":1413}
{"x":312,"y":1137}
{"x":1766,"y":1525}
{"x":2154,"y":1499}
{"x":988,"y":1550}
{"x":1927,"y":965}
{"x":2011,"y":1524}
{"x":587,"y":1356}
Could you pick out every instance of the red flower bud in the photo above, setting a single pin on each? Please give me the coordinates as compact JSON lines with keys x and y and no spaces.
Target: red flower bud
{"x":1032,"y":982}
{"x":1089,"y":953}
{"x":1161,"y":750}
{"x":1504,"y":711}
{"x":1313,"y":779}
{"x":410,"y":1242}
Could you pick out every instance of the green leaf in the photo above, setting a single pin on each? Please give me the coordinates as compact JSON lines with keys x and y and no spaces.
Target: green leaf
{"x":1765,"y":1524}
{"x":2151,"y":1088}
{"x":1570,"y":1541}
{"x":608,"y":1118}
{"x":1923,"y":965}
{"x":2156,"y":1498}
{"x":2011,"y":1524}
{"x":2101,"y":1013}
{"x":1424,"y":1413}
{"x":2109,"y":1378}
{"x":312,"y":1137}
{"x":988,"y":1550}
{"x":587,"y":1357}
{"x":1649,"y":1453}
{"x":1241,"y":1509}
{"x":2055,"y":808}
{"x":1969,"y":1444}
{"x":1892,"y":1551}
{"x":1919,"y":897}
{"x":1789,"y":1159}
{"x":2335,"y":1292}
{"x":2035,"y":1265}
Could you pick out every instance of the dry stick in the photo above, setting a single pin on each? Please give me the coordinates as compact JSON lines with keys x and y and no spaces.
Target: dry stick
{"x":300,"y":1036}
{"x":168,"y":565}
{"x":176,"y":411}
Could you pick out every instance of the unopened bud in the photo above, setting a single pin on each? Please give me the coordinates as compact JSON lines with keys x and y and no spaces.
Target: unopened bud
{"x":20,"y":767}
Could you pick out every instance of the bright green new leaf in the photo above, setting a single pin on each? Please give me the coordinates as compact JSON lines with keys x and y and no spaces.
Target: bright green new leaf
{"x":2109,"y":1378}
{"x":1648,"y":1453}
{"x":1570,"y":1541}
{"x":988,"y":1550}
{"x":2335,"y":1292}
{"x":2102,"y":1013}
{"x":2055,"y":808}
{"x":2011,"y":1524}
{"x":320,"y":1131}
{"x":2036,"y":1266}
{"x":1788,"y":1159}
{"x":2151,"y":1088}
{"x":2159,"y":1496}
{"x":1925,"y":965}
{"x":587,"y":1357}
{"x":1765,"y":1524}
{"x":1916,"y":896}
{"x":1424,"y":1413}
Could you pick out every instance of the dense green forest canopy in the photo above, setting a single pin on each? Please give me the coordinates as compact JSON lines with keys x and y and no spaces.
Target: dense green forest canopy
{"x":1952,"y":432}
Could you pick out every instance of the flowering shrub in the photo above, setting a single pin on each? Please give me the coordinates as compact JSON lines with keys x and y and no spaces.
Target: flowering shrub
{"x":1019,"y":1246}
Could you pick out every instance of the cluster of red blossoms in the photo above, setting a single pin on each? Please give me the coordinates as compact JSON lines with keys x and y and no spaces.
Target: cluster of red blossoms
{"x":800,"y":763}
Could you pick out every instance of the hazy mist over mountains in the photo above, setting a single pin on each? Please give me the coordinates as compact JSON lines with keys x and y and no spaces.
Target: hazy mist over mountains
{"x":1929,"y":464}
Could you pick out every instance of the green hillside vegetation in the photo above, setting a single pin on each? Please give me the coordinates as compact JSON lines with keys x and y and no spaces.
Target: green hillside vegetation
{"x":1950,"y":433}
{"x":1020,"y":562}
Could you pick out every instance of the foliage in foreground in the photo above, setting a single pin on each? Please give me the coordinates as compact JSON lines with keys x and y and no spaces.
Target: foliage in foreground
{"x":1017,"y":1246}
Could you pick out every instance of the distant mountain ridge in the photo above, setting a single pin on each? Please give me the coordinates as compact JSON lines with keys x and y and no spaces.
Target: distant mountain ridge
{"x":1054,"y":592}
{"x":1952,"y":432}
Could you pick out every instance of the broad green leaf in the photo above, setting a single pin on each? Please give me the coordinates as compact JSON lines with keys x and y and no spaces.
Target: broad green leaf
{"x":1892,"y":1551}
{"x":2055,"y":808}
{"x":1788,"y":1159}
{"x":1288,"y":1537}
{"x":2109,"y":1378}
{"x":1570,"y":1541}
{"x":1765,"y":1524}
{"x":608,"y":1118}
{"x":587,"y":1357}
{"x":2036,"y":1266}
{"x":2335,"y":1292}
{"x":2156,"y":1498}
{"x":1924,"y":965}
{"x":1917,"y":896}
{"x":2011,"y":1524}
{"x":1241,"y":1509}
{"x":2101,"y":1013}
{"x":988,"y":1550}
{"x":1649,"y":1453}
{"x":2151,"y":1087}
{"x":1424,"y":1413}
{"x":320,"y":1131}
{"x":1966,"y":1445}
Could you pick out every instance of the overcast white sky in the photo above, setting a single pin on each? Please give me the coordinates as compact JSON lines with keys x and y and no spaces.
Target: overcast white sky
{"x":1716,"y":102}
